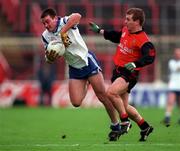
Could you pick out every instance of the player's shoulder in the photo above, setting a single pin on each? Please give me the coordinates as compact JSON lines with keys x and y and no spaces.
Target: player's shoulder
{"x":63,"y":20}
{"x":172,"y":61}
{"x":46,"y":36}
{"x":45,"y":33}
{"x":142,"y":37}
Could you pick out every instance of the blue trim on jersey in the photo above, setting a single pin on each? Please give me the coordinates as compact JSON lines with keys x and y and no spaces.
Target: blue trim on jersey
{"x":74,"y":27}
{"x":44,"y":40}
{"x":58,"y":22}
{"x":64,"y":20}
{"x":87,"y":71}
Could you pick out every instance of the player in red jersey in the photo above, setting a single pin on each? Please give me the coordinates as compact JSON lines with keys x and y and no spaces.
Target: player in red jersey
{"x":133,"y":52}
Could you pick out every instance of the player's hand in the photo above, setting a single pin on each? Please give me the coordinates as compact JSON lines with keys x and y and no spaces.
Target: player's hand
{"x":65,"y":39}
{"x":130,"y":66}
{"x":51,"y":56}
{"x":94,"y":27}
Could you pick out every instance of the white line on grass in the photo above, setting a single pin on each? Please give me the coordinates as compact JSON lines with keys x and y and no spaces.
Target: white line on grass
{"x":96,"y":145}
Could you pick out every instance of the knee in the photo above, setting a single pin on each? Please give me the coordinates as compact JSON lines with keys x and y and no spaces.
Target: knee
{"x":76,"y":101}
{"x":110,"y":94}
{"x":76,"y":104}
{"x":101,"y":96}
{"x":170,"y":102}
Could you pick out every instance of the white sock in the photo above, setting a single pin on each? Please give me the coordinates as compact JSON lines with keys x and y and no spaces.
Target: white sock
{"x":114,"y":124}
{"x":167,"y":114}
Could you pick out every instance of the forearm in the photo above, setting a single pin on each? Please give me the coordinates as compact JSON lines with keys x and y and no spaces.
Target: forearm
{"x":73,"y":20}
{"x":144,"y":61}
{"x":113,"y":36}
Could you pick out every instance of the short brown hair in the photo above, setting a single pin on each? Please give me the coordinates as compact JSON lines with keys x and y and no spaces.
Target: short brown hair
{"x":138,"y":14}
{"x":49,"y":11}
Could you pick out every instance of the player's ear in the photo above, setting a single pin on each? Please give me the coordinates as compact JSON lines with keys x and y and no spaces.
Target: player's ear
{"x":137,"y":22}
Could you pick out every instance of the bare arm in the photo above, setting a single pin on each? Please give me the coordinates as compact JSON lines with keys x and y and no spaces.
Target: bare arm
{"x":73,"y":20}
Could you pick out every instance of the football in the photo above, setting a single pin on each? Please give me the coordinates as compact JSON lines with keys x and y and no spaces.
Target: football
{"x":57,"y":46}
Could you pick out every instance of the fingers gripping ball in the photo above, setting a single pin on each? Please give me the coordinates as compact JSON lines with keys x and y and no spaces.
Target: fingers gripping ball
{"x":66,"y":40}
{"x":56,"y":46}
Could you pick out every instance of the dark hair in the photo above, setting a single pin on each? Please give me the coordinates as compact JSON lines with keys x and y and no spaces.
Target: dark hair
{"x":49,"y":11}
{"x":138,"y":14}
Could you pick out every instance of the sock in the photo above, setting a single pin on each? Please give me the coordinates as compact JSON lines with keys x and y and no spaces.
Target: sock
{"x":143,"y":124}
{"x":124,"y":117}
{"x":167,"y":114}
{"x":114,"y":124}
{"x":115,"y":127}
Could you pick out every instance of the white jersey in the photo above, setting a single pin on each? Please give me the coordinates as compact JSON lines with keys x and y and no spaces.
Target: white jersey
{"x":77,"y":52}
{"x":174,"y":77}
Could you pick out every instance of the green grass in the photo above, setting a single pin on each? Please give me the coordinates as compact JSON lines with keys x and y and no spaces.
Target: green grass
{"x":41,"y":129}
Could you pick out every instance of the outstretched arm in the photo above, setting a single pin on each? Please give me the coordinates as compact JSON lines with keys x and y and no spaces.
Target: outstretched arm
{"x":113,"y":36}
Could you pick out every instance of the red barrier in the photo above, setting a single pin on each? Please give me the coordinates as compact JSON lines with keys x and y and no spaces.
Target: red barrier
{"x":29,"y":92}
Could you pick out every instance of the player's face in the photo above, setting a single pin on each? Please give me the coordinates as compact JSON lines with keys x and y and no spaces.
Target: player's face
{"x":130,"y":23}
{"x":49,"y":23}
{"x":177,"y":53}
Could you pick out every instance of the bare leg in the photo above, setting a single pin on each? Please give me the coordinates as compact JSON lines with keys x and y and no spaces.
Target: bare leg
{"x":146,"y":129}
{"x":77,"y":91}
{"x":114,"y":92}
{"x":170,"y":103}
{"x":118,"y":87}
{"x":179,"y":107}
{"x":132,"y":112}
{"x":97,"y":82}
{"x":169,"y":107}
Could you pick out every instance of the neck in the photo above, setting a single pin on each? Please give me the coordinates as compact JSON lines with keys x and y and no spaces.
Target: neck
{"x":136,"y":30}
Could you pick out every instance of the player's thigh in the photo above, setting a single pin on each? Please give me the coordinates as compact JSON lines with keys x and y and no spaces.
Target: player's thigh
{"x":171,"y":97}
{"x":118,"y":87}
{"x":97,"y":83}
{"x":77,"y":90}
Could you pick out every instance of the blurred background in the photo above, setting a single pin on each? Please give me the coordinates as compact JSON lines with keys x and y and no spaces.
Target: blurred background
{"x":27,"y":80}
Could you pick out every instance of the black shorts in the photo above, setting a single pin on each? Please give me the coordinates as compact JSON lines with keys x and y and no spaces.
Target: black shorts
{"x":131,"y":77}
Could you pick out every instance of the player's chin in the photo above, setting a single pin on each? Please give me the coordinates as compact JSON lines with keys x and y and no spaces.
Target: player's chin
{"x":50,"y":29}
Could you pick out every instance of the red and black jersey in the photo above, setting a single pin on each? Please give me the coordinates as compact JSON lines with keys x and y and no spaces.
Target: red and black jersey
{"x":132,"y":47}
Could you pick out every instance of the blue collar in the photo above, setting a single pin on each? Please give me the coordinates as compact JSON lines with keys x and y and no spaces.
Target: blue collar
{"x":57,"y":25}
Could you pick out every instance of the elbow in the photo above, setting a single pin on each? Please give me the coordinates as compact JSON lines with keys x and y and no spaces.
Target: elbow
{"x":76,"y":16}
{"x":150,"y":61}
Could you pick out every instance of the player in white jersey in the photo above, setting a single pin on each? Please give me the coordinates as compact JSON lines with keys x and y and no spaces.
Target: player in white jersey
{"x":83,"y":65}
{"x":173,"y":85}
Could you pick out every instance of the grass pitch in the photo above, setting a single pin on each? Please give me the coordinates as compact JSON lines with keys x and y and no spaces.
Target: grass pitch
{"x":49,"y":129}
